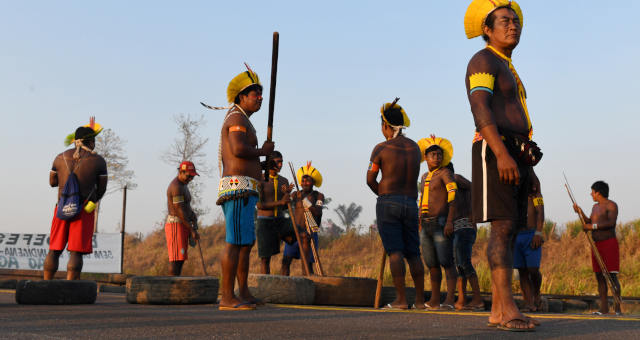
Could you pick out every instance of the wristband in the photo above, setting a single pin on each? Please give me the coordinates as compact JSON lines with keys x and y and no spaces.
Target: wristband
{"x":594,"y":226}
{"x":539,"y":233}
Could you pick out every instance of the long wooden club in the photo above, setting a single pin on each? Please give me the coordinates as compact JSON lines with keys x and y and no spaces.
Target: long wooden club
{"x":383,"y":262}
{"x":204,"y":267}
{"x":303,"y":255}
{"x":601,"y":264}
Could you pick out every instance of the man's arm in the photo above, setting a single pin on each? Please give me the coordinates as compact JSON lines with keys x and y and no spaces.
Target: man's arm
{"x":538,"y":206}
{"x":316,"y":207}
{"x":452,"y":188}
{"x":463,"y":183}
{"x":422,"y":179}
{"x":578,"y":210}
{"x":374,"y":167}
{"x":238,"y":140}
{"x":102,"y":179}
{"x":53,"y":174}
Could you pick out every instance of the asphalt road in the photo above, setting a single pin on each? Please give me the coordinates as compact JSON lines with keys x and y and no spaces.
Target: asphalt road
{"x":111,"y":317}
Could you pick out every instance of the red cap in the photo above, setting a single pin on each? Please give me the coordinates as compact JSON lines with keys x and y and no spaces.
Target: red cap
{"x":189,"y":167}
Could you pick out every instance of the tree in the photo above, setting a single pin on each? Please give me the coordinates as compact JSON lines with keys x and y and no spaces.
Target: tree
{"x":348,"y":215}
{"x":189,"y":146}
{"x":111,"y":147}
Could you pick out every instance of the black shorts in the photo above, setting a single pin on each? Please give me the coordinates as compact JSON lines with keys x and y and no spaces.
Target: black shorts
{"x":269,"y":232}
{"x":491,"y":199}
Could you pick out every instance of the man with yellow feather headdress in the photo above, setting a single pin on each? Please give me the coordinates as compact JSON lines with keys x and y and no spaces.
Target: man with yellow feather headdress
{"x":502,"y":152}
{"x":90,"y":171}
{"x":309,"y":200}
{"x":437,"y":211}
{"x":239,"y":187}
{"x":398,"y":157}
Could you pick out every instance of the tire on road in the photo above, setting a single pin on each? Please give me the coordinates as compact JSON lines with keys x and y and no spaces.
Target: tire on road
{"x":282,"y":289}
{"x":344,"y":291}
{"x":56,"y":292}
{"x":172,"y":290}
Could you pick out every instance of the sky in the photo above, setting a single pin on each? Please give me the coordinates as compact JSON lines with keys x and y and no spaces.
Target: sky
{"x":136,"y":65}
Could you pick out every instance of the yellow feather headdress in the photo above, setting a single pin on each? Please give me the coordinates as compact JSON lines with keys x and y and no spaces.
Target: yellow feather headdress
{"x":241,"y":82}
{"x":386,"y":106}
{"x":479,"y":10}
{"x":308,"y":170}
{"x":443,"y":143}
{"x":97,"y":128}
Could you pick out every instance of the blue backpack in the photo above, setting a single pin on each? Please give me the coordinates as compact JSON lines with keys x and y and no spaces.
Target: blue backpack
{"x":69,"y":204}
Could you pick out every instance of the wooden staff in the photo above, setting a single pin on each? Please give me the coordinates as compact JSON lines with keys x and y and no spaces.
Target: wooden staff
{"x":272,"y":90}
{"x":307,"y":216}
{"x":596,"y":253}
{"x":303,"y":255}
{"x":383,"y":262}
{"x":204,"y":267}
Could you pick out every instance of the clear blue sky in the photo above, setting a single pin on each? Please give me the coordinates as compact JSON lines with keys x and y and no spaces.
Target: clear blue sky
{"x":136,"y":64}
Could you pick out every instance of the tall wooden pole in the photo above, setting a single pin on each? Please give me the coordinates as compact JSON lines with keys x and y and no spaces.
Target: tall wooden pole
{"x":122,"y":225}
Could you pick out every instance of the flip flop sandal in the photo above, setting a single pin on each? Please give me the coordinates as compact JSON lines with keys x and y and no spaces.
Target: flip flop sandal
{"x":447,"y":306}
{"x":388,"y":306}
{"x":477,"y":308}
{"x":431,"y":308}
{"x":597,"y":313}
{"x":492,"y":324}
{"x":504,"y":326}
{"x":240,"y":306}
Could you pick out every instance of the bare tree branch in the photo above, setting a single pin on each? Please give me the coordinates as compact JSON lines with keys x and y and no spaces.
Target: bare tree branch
{"x":111,"y":147}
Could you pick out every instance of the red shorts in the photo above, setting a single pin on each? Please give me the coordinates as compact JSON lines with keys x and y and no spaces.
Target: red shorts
{"x":76,"y":234}
{"x":610,"y":253}
{"x":177,"y":241}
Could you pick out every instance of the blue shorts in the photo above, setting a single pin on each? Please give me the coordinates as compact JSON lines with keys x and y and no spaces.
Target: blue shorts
{"x":523,"y":255}
{"x":397,"y":217}
{"x":463,"y":240}
{"x":239,"y":220}
{"x":437,"y":249}
{"x":292,"y":250}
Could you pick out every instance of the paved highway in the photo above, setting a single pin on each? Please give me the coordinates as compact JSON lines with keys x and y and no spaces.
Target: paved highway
{"x":112,"y":318}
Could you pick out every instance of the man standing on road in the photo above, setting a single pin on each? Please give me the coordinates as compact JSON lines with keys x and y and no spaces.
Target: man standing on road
{"x":527,"y":250}
{"x":306,"y":200}
{"x":239,"y":186}
{"x":437,"y":211}
{"x":602,"y":224}
{"x":182,"y":222}
{"x":91,"y":172}
{"x":500,"y":170}
{"x":399,"y":160}
{"x":273,"y":222}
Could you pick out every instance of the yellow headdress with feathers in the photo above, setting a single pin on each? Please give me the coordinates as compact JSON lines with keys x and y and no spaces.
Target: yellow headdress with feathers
{"x":443,"y":143}
{"x":241,"y":82}
{"x":479,"y":10}
{"x":308,"y":170}
{"x":97,"y":128}
{"x":384,"y":112}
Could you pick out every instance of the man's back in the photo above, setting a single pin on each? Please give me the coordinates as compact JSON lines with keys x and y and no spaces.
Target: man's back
{"x":88,"y":169}
{"x":399,"y":160}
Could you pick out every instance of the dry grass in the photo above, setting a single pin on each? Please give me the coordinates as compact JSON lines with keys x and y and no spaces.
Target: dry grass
{"x":566,"y":261}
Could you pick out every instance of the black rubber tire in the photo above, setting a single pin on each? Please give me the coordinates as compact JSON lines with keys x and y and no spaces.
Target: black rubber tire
{"x":56,"y":292}
{"x":172,"y":290}
{"x":344,"y":291}
{"x":292,"y":290}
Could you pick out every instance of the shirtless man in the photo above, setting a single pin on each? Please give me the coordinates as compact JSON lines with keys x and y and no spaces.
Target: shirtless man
{"x":498,"y":103}
{"x":239,"y":185}
{"x":396,"y":208}
{"x":527,"y":251}
{"x":77,"y":233}
{"x":182,"y":222}
{"x":273,"y":222}
{"x":464,"y":236}
{"x":602,"y":224}
{"x":305,"y":200}
{"x":437,"y":209}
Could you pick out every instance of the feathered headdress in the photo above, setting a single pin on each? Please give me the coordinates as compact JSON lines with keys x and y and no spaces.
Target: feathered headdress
{"x":97,"y":128}
{"x":443,"y":143}
{"x":241,"y":82}
{"x":392,"y":117}
{"x":308,"y":170}
{"x":479,"y":10}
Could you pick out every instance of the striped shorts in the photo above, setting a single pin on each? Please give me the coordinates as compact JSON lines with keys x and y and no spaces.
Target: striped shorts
{"x":239,"y":217}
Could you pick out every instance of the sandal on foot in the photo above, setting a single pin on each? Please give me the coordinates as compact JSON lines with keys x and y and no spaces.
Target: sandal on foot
{"x":492,"y":324}
{"x":431,"y":308}
{"x":388,"y":306}
{"x":505,"y":326}
{"x":447,"y":306}
{"x":240,"y":306}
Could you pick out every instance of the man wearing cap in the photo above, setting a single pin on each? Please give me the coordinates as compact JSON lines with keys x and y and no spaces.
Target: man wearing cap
{"x":182,"y":222}
{"x":502,"y":153}
{"x":239,"y":186}
{"x":91,"y":171}
{"x":396,"y":209}
{"x":306,"y":200}
{"x":273,"y":223}
{"x":437,"y":209}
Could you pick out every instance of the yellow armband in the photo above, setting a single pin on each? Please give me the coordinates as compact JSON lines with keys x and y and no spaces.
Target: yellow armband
{"x":481,"y":81}
{"x":538,"y":201}
{"x":178,"y":199}
{"x":451,"y":191}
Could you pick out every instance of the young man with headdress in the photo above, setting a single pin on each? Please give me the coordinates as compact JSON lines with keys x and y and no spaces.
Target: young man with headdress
{"x":305,"y":200}
{"x":273,"y":223}
{"x":91,"y":172}
{"x":464,"y":236}
{"x":182,"y":222}
{"x":602,"y":225}
{"x":502,"y":152}
{"x":527,"y":250}
{"x":239,"y":186}
{"x":437,"y":211}
{"x":398,"y":157}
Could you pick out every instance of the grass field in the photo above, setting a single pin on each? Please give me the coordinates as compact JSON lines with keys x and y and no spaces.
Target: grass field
{"x":566,"y":262}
